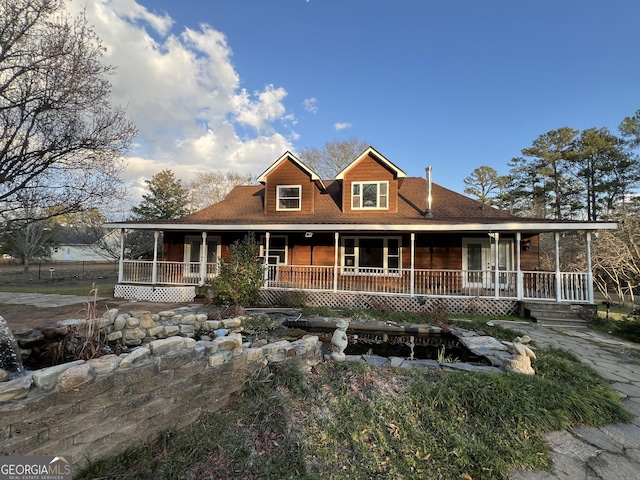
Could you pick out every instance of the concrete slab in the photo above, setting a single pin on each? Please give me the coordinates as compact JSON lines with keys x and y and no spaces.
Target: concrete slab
{"x":566,"y":444}
{"x":597,"y":438}
{"x":44,"y":300}
{"x":633,"y":454}
{"x":614,"y":467}
{"x":568,"y":467}
{"x":626,"y":434}
{"x":520,"y":475}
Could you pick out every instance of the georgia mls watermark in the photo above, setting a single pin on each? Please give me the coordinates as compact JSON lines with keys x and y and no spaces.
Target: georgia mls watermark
{"x":35,"y":468}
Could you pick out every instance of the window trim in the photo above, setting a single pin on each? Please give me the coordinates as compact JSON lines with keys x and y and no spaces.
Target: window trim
{"x":378,"y":183}
{"x":355,"y":269}
{"x":278,"y":198}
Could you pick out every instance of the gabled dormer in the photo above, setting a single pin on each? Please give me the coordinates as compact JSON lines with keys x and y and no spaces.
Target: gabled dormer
{"x":289,"y":186}
{"x":370,"y":183}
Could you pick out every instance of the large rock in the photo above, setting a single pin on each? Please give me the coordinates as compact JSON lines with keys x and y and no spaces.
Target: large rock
{"x":136,"y":356}
{"x":146,"y":321}
{"x":75,"y":377}
{"x":105,"y":364}
{"x":47,"y":378}
{"x":15,"y":389}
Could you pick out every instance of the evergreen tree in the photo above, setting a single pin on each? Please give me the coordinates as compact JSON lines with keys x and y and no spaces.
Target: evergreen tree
{"x":167,"y":198}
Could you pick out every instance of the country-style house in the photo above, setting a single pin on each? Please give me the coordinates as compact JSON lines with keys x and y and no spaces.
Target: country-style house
{"x":370,"y":236}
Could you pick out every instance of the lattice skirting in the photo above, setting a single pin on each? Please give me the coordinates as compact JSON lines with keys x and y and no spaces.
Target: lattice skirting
{"x":155,"y":294}
{"x":475,"y":305}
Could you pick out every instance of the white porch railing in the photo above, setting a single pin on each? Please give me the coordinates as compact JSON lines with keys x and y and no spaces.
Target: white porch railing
{"x":167,"y":273}
{"x":442,"y":283}
{"x":535,"y":285}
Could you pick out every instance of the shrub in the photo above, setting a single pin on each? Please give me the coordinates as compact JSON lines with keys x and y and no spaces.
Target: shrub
{"x":439,"y":311}
{"x":240,"y":278}
{"x":294,"y":299}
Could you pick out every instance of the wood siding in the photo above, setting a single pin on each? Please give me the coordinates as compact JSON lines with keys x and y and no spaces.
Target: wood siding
{"x":432,"y":251}
{"x":369,"y":170}
{"x":288,"y":173}
{"x":529,"y":259}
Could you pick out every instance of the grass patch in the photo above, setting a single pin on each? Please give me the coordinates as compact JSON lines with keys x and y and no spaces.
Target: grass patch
{"x":349,"y":420}
{"x":624,"y":327}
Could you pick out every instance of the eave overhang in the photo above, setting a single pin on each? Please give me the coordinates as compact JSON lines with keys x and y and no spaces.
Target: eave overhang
{"x":523,"y":227}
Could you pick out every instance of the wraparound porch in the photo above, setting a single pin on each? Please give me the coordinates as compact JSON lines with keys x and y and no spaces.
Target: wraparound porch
{"x":513,"y":285}
{"x":397,"y":278}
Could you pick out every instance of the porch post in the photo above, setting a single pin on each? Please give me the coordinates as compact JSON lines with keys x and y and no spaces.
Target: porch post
{"x":121,"y":265}
{"x":496,"y":270}
{"x":589,"y":271}
{"x":519,"y":275}
{"x":267,"y":241}
{"x":557,"y":260}
{"x":154,"y":271}
{"x":413,"y":263}
{"x":203,"y":258}
{"x":336,"y":236}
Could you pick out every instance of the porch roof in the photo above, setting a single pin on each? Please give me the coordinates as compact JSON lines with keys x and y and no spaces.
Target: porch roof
{"x":243,"y":210}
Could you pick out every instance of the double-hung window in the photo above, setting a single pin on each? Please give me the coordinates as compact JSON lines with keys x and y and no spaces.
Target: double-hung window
{"x":362,"y":255}
{"x":369,"y":195}
{"x":289,"y":197}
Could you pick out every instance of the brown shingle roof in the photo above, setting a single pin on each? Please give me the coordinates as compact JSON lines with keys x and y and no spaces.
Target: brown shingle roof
{"x":244,"y":205}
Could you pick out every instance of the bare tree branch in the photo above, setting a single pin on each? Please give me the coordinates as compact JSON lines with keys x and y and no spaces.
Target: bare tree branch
{"x":59,"y":133}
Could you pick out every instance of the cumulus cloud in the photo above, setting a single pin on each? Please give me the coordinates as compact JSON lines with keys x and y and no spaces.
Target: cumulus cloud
{"x":341,"y":126}
{"x":310,"y":104}
{"x":184,"y":94}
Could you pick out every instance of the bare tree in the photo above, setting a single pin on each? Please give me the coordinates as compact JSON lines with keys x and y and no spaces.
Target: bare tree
{"x":28,"y":239}
{"x":59,"y":134}
{"x":333,"y":157}
{"x":616,"y":258}
{"x":212,"y":187}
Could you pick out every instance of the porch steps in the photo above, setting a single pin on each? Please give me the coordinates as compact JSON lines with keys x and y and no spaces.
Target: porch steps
{"x":549,"y":314}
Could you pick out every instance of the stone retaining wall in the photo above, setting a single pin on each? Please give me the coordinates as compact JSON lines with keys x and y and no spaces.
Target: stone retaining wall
{"x":102,"y":406}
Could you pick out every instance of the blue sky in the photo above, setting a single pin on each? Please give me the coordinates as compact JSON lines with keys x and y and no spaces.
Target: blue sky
{"x":455,"y":84}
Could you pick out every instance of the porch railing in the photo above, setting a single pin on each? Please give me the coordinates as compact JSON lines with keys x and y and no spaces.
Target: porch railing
{"x":534,"y":285}
{"x":167,"y":273}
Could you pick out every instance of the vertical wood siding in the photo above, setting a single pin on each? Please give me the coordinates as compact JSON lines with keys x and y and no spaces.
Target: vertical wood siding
{"x":288,"y":173}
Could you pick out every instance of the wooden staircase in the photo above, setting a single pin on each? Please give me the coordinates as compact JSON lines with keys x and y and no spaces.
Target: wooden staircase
{"x":549,"y":314}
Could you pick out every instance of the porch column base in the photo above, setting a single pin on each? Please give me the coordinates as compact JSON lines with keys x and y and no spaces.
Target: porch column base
{"x":146,"y":293}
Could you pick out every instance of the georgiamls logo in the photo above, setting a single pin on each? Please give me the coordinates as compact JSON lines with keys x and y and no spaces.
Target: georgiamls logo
{"x":35,"y":468}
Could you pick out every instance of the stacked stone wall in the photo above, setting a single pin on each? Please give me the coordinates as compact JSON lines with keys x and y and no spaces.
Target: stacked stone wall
{"x":91,"y":409}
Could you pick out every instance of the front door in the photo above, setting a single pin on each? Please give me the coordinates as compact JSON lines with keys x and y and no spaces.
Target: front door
{"x":476,"y":262}
{"x":505,"y":260}
{"x":193,"y":253}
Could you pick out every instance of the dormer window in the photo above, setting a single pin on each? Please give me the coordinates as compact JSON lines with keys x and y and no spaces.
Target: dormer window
{"x":369,"y":195}
{"x":289,"y":197}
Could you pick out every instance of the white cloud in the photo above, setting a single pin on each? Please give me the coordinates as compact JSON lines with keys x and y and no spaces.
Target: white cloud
{"x":184,"y":94}
{"x":341,"y":126}
{"x":259,"y":113}
{"x":310,"y":104}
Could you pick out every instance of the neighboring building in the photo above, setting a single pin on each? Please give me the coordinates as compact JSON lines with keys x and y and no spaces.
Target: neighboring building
{"x":81,"y":245}
{"x":371,"y":235}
